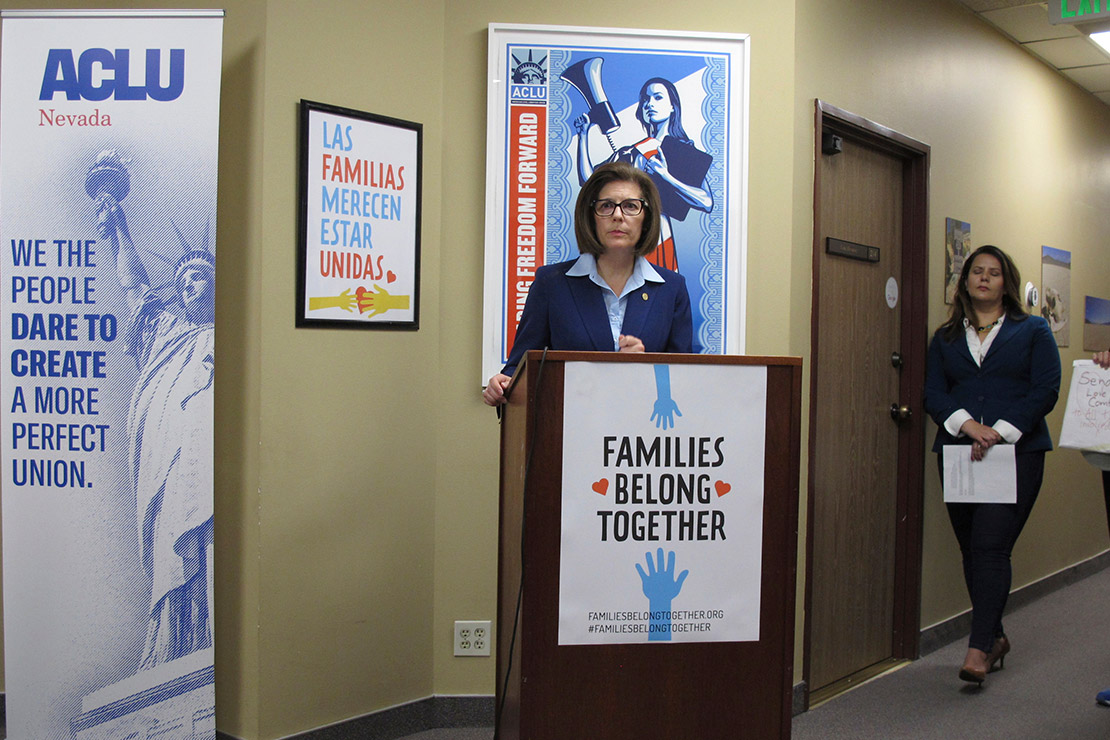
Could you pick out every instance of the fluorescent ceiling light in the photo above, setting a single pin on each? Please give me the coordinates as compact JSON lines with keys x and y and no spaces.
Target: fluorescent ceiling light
{"x":1102,"y":38}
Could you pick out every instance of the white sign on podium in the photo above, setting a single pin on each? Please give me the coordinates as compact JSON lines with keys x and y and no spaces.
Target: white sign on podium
{"x":663,"y":469}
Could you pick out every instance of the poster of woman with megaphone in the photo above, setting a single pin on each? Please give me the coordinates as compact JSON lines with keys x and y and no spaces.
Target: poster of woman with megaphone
{"x":563,"y":101}
{"x":666,"y":153}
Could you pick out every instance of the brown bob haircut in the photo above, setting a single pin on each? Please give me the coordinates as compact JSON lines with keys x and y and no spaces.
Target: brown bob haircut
{"x":585,"y":228}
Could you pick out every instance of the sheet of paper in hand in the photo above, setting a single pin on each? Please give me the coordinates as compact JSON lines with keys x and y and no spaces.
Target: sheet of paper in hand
{"x":992,"y":480}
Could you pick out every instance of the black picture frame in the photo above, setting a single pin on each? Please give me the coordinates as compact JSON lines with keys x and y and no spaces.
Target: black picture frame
{"x":359,"y":216}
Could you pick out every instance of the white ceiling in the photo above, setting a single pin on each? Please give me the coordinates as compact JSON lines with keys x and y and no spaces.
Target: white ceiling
{"x":1064,"y":48}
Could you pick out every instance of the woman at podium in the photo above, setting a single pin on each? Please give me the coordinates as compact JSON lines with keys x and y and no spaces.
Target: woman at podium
{"x":610,"y":298}
{"x":993,"y":375}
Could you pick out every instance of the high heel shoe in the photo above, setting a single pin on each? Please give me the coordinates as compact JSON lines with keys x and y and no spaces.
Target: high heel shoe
{"x":998,"y":653}
{"x":975,"y":668}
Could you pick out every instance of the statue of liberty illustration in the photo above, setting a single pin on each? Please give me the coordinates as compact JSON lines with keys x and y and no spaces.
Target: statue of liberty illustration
{"x":169,"y":335}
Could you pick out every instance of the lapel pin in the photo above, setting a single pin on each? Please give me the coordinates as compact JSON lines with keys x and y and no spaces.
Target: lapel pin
{"x":644,"y":295}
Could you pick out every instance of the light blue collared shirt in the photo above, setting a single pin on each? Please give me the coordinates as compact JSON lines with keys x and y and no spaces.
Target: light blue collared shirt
{"x":642,"y":272}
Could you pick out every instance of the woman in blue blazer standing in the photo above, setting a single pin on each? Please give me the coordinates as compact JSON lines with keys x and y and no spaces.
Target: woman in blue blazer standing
{"x":993,"y":375}
{"x":610,"y":298}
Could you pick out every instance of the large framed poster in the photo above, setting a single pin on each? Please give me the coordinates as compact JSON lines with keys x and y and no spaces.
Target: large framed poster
{"x":359,"y":251}
{"x":562,"y":101}
{"x":109,"y":127}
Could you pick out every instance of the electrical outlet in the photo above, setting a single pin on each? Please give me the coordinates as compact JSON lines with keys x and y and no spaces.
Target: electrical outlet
{"x":472,"y":637}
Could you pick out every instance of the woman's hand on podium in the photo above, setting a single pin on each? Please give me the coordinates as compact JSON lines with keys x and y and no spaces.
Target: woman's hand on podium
{"x":629,"y":343}
{"x":494,"y":394}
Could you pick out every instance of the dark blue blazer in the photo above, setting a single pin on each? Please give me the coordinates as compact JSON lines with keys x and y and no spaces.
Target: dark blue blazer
{"x":568,"y":313}
{"x":1019,"y":381}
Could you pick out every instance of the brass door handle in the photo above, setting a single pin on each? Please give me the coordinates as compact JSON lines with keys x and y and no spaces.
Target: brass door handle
{"x":900,"y":413}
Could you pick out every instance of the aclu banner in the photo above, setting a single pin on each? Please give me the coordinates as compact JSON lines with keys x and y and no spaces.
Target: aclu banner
{"x":108,"y":148}
{"x":662,"y":507}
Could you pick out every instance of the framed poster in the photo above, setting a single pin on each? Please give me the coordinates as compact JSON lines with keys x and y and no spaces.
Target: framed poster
{"x":359,"y":231}
{"x":564,"y":100}
{"x":957,"y":246}
{"x":1096,"y":324}
{"x":1056,"y":292}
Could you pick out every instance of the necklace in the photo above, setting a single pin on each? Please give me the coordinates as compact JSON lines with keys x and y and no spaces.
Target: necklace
{"x":989,"y":326}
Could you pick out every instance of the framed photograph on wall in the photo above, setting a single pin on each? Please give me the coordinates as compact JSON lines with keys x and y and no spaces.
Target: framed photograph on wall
{"x":957,"y":246}
{"x":1056,"y":292}
{"x":1096,"y":324}
{"x":359,"y":230}
{"x":564,"y":100}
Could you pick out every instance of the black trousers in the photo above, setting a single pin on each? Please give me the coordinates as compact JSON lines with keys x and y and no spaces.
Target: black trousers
{"x":1106,"y":493}
{"x":987,"y":533}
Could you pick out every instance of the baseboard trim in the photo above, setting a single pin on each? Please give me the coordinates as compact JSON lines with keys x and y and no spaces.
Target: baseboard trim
{"x":798,"y":702}
{"x":437,"y":712}
{"x":432,"y":713}
{"x":944,"y":633}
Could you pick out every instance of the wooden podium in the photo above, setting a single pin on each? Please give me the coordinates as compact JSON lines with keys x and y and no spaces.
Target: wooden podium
{"x":641,"y":691}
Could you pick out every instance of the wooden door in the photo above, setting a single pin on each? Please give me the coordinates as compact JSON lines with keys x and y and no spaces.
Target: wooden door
{"x":864,"y":409}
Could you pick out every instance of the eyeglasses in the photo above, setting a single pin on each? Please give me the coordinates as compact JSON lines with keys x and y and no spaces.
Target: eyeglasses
{"x":630,"y":207}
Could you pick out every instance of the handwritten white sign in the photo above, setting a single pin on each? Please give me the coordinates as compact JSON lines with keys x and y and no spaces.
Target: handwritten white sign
{"x":1087,"y":414}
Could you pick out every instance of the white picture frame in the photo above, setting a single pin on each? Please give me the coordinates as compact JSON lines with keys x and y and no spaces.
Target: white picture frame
{"x":540,"y":80}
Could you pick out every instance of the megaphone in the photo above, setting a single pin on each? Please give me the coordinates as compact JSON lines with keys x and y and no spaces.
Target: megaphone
{"x":585,"y":76}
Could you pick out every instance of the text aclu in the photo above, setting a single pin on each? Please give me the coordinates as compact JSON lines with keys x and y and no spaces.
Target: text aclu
{"x":100,"y":74}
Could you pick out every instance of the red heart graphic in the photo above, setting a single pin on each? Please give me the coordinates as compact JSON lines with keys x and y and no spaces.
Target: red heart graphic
{"x":359,"y":293}
{"x":602,"y":486}
{"x":389,"y":276}
{"x":722,"y":488}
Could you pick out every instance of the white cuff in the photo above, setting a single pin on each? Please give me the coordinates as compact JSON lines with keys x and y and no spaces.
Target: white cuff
{"x":953,"y":423}
{"x":1009,"y":432}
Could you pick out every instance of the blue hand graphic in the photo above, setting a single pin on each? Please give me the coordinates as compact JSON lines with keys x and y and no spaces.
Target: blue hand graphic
{"x":665,"y":409}
{"x":660,"y":587}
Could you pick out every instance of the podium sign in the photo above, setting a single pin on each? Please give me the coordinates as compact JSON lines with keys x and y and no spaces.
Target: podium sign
{"x":648,"y":547}
{"x":662,"y":503}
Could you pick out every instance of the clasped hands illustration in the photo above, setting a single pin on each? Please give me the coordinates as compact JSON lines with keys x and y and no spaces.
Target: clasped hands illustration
{"x":368,"y":301}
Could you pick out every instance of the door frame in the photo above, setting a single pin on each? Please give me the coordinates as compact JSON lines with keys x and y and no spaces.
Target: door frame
{"x":913,"y":290}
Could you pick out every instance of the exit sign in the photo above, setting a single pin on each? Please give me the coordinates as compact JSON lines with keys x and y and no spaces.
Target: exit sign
{"x":1078,"y":11}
